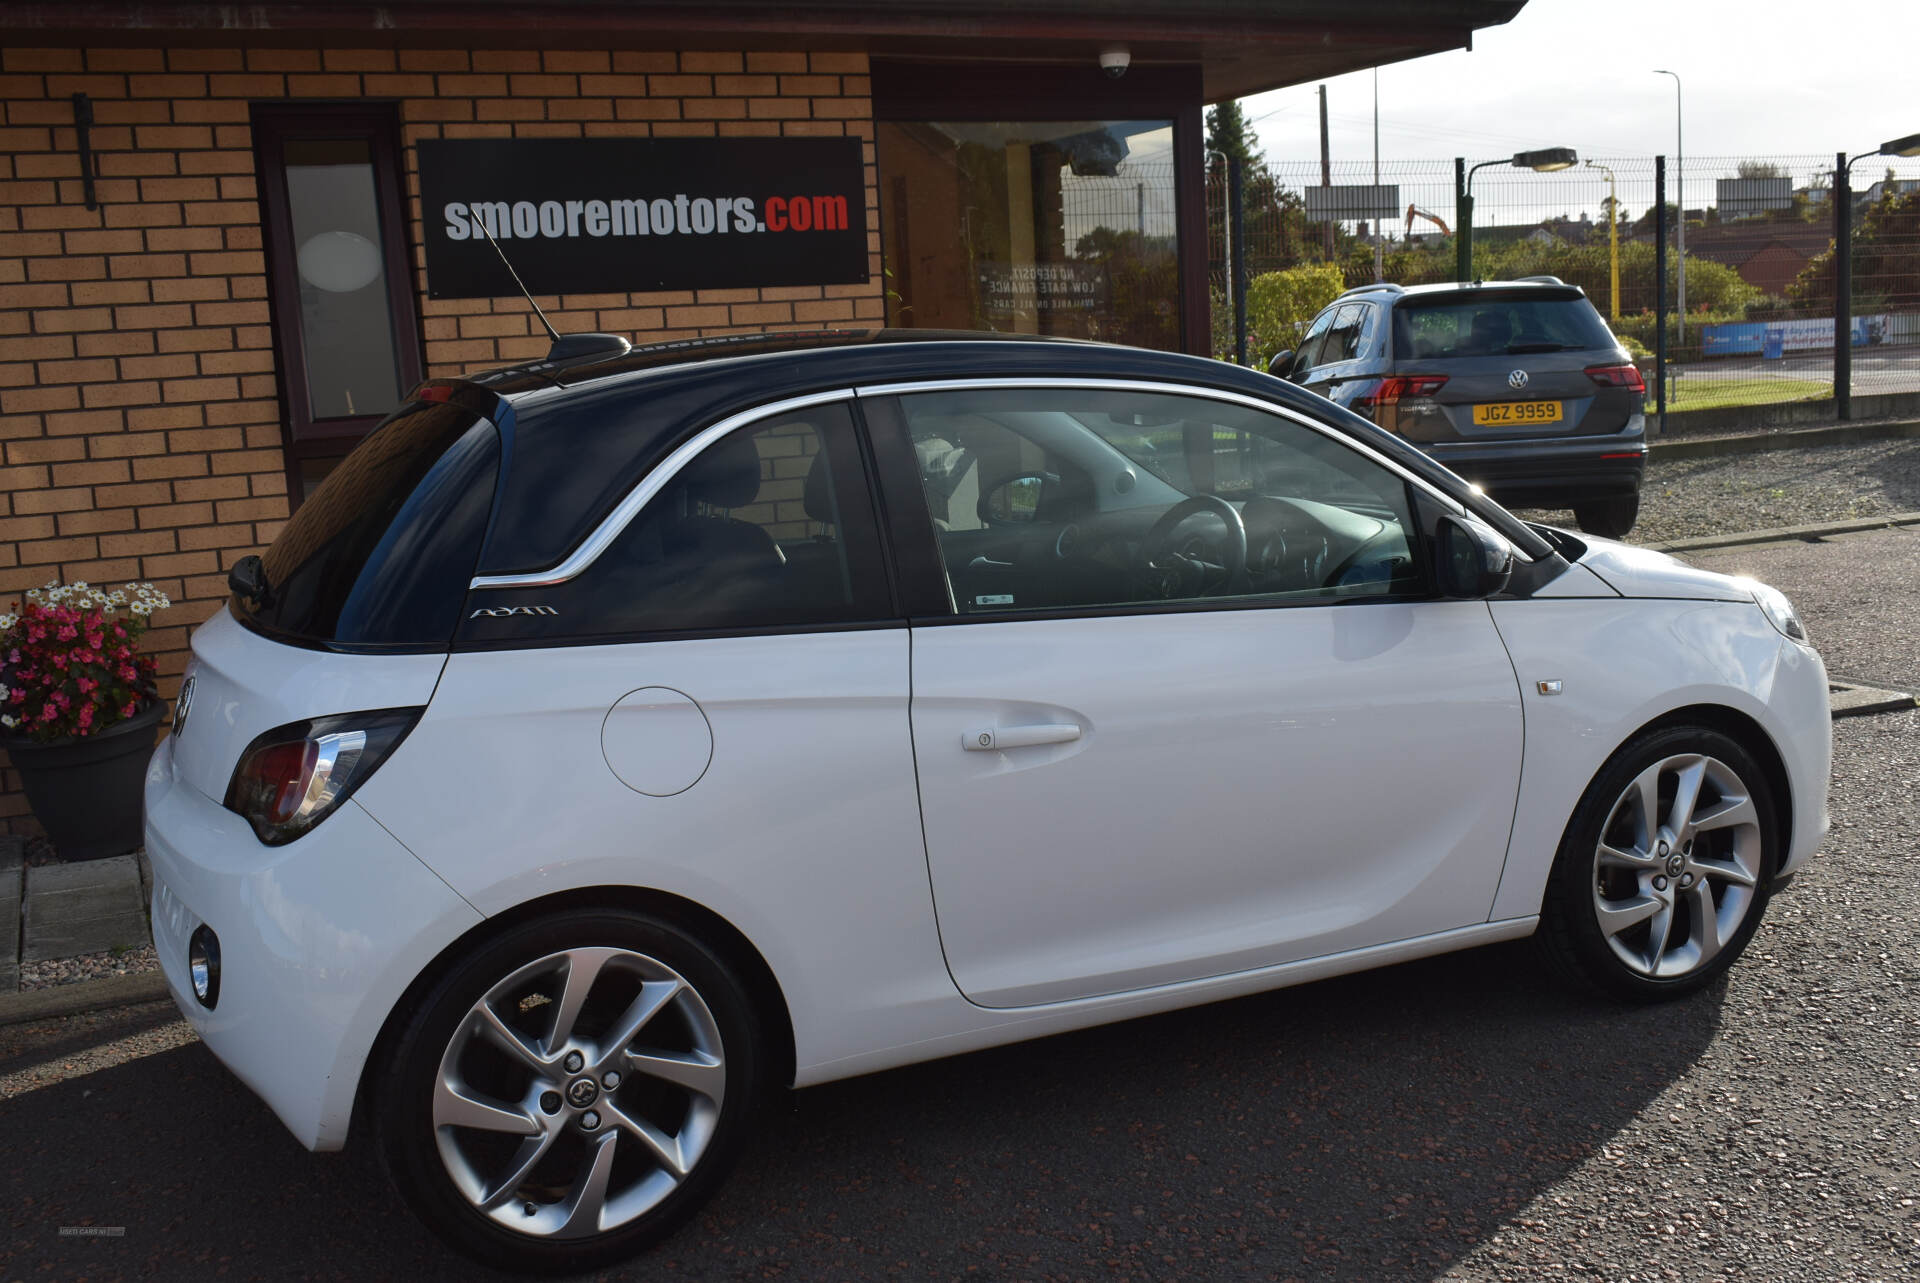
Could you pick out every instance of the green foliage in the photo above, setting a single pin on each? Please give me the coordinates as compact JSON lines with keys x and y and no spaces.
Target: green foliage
{"x":1280,"y":304}
{"x":1886,"y":260}
{"x":1229,"y":134}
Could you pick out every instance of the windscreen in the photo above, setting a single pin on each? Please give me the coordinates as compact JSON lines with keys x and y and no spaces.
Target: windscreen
{"x":1489,"y":323}
{"x":381,"y":554}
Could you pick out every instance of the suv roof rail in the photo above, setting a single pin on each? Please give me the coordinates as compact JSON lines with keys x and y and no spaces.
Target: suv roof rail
{"x":1544,"y":280}
{"x":1384,"y":287}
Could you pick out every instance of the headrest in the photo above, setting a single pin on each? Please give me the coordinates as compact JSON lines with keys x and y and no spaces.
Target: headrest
{"x":726,"y":476}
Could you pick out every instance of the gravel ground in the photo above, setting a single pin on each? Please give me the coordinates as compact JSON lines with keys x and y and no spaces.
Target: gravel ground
{"x":1684,"y":498}
{"x":88,"y":966}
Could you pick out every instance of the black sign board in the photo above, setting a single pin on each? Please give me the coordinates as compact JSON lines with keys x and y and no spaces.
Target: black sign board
{"x":601,"y":215}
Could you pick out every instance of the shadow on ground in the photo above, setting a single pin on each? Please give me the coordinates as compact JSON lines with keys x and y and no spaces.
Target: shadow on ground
{"x":1373,"y":1127}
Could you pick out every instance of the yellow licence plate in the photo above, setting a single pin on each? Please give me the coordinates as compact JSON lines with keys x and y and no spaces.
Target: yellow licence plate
{"x":1507,"y":414}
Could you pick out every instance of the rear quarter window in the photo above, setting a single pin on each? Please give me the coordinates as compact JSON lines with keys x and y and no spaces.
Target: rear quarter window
{"x":381,"y":554}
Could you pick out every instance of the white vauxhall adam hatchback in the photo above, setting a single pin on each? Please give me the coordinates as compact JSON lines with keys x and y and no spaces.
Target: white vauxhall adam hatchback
{"x":612,"y":742}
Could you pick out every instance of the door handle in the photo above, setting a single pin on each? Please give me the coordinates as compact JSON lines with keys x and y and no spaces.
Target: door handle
{"x":989,"y":738}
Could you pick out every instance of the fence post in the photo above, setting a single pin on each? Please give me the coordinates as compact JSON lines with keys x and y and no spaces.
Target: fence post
{"x":1842,"y":289}
{"x":1462,"y":222}
{"x":1237,"y":254}
{"x":1660,"y":291}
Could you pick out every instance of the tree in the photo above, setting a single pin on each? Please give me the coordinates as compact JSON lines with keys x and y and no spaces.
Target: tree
{"x":1229,"y":134}
{"x":1886,"y":259}
{"x":1760,"y":169}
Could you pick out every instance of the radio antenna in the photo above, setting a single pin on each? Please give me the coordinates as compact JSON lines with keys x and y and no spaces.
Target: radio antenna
{"x":487,"y":232}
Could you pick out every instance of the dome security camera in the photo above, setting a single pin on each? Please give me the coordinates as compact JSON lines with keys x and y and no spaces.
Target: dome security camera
{"x":1115,"y":62}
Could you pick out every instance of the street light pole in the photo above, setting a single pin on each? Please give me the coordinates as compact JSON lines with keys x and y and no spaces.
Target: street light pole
{"x":1843,"y":267}
{"x":1547,"y":160}
{"x":1613,"y":238}
{"x":1680,"y":189}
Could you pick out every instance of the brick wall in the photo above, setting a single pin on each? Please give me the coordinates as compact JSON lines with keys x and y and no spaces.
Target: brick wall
{"x":139,"y":426}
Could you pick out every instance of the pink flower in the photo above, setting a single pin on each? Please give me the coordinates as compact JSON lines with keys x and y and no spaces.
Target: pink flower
{"x":132,"y":707}
{"x":86,"y":716}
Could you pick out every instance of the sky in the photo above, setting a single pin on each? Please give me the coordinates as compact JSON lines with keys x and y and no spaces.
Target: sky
{"x":1760,"y":78}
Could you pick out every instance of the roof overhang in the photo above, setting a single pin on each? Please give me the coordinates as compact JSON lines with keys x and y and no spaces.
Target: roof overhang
{"x":1241,"y":46}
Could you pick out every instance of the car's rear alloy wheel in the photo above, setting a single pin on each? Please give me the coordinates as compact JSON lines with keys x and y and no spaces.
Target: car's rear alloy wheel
{"x":572,"y":1091}
{"x":1664,"y":871}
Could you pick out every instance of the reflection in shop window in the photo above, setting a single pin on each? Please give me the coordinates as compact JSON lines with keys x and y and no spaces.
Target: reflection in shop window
{"x":1059,"y":228}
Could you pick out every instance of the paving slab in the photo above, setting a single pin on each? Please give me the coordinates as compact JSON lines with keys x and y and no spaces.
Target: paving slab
{"x":87,"y":907}
{"x":13,"y":853}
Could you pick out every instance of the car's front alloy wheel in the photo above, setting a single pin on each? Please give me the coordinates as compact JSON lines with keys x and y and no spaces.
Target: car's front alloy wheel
{"x":572,"y":1091}
{"x":1664,"y":871}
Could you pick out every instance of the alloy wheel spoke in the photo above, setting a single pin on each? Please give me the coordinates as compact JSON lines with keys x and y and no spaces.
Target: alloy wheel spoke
{"x":1617,"y":916}
{"x":1728,"y":812}
{"x":653,"y":997}
{"x":1687,"y":781}
{"x":665,"y":1149}
{"x":698,"y":1072}
{"x":583,"y":1216}
{"x":525,"y":1159}
{"x":1657,"y":937}
{"x":508,"y":1039}
{"x":1729,"y":870}
{"x":583,"y":968}
{"x":1619,"y":858}
{"x":454,"y":1106}
{"x":1706,"y":921}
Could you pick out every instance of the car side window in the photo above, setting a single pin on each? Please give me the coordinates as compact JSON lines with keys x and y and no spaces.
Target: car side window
{"x":1309,"y":354}
{"x":1343,"y":337}
{"x":1075,"y":498}
{"x":768,"y":527}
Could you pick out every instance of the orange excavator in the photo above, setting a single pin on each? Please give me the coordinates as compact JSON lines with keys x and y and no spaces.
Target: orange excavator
{"x":1433,"y":218}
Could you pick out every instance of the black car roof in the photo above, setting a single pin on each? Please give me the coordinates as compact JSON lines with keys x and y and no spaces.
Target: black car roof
{"x":581,"y":434}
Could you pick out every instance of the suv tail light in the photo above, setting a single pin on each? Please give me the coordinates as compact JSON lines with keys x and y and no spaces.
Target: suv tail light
{"x":294,"y":776}
{"x":1617,"y":376}
{"x":1403,"y":387}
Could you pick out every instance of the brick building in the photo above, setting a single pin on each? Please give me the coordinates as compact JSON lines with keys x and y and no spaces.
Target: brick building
{"x":184,"y":351}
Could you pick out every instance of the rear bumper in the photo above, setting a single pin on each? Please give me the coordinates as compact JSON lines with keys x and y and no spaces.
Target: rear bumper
{"x":318,"y":941}
{"x":1547,"y":472}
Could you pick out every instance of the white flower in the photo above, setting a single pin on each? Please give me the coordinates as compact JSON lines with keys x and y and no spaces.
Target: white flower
{"x":7,"y":720}
{"x":8,"y":621}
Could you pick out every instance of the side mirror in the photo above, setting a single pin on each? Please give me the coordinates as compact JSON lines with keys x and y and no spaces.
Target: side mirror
{"x":1277,"y":363}
{"x":1015,"y":500}
{"x":1471,"y":560}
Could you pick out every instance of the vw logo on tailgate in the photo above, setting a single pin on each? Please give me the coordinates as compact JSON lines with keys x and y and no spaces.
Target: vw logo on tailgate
{"x":1517,"y":380}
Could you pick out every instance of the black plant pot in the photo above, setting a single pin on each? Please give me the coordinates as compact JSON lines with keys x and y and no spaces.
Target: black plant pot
{"x":86,"y":792}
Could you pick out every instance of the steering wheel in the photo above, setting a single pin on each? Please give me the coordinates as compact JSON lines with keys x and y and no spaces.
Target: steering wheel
{"x":1169,"y":573}
{"x":1284,"y":541}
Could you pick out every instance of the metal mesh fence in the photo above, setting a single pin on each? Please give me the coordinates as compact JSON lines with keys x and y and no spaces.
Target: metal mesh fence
{"x":1758,"y":321}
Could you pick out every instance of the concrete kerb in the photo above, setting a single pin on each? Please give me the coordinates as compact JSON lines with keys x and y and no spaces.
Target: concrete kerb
{"x":82,"y":995}
{"x":1787,"y":439}
{"x":1785,"y":534}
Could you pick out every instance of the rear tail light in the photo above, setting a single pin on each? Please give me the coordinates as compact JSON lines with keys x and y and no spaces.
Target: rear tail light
{"x":1617,"y":376}
{"x":1403,"y":387}
{"x":296,"y":775}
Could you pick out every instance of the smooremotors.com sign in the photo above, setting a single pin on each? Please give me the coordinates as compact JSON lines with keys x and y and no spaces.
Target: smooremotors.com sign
{"x":603,"y":215}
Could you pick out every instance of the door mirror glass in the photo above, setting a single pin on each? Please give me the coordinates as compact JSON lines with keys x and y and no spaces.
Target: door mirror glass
{"x":1017,"y":499}
{"x":1473,"y":561}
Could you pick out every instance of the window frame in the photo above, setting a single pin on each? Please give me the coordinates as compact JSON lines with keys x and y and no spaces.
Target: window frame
{"x":923,"y":588}
{"x":378,"y":124}
{"x":862,"y":529}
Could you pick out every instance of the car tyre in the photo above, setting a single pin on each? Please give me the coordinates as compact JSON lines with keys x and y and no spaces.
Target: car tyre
{"x":1665,"y":868}
{"x":571,"y":1090}
{"x":1608,"y":518}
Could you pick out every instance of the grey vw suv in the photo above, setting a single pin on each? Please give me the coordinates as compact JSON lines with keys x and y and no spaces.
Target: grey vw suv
{"x":1517,"y":386}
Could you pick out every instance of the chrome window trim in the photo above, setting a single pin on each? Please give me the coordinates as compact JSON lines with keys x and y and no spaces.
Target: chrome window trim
{"x":614,"y":523}
{"x":1171,"y":389}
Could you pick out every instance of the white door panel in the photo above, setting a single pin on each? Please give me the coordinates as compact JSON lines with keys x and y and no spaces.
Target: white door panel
{"x":802,"y":830}
{"x":1247,"y":788}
